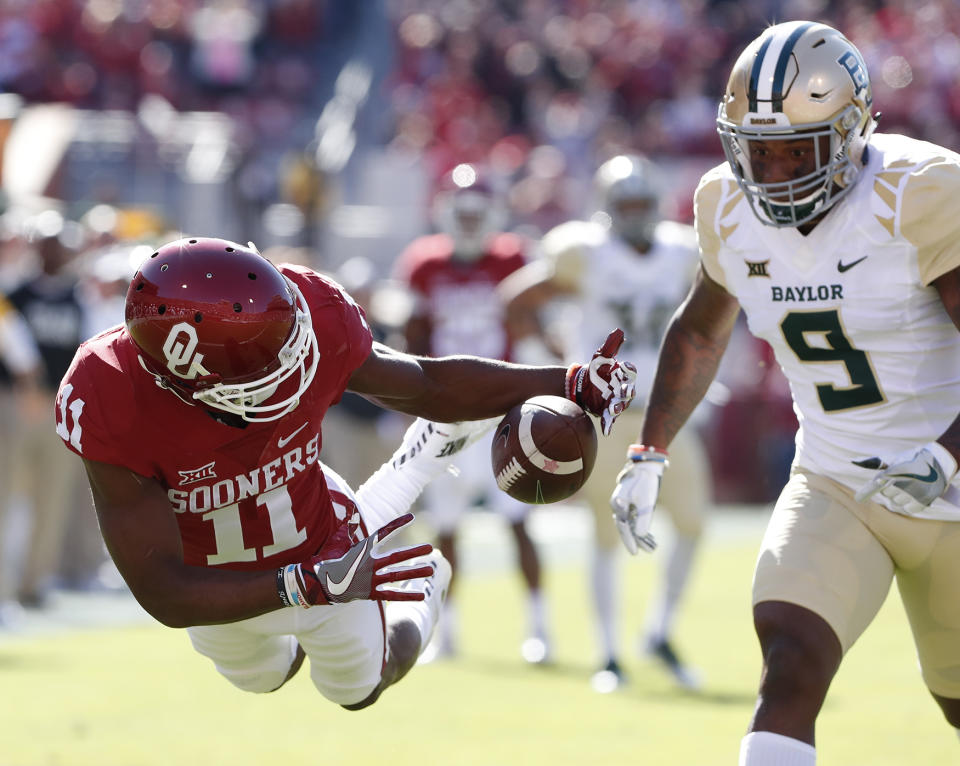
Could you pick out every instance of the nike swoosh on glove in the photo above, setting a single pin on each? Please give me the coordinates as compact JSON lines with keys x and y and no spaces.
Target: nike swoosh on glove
{"x":635,"y":497}
{"x":910,"y":481}
{"x":357,"y":574}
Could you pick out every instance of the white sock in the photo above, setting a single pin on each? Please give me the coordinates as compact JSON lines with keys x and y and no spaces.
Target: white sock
{"x":673,"y":582}
{"x":449,"y":625}
{"x":603,"y":585}
{"x":764,"y":748}
{"x":537,"y":614}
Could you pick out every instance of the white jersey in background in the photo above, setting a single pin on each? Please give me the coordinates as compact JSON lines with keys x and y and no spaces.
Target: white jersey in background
{"x":834,"y":304}
{"x":607,"y":280}
{"x":615,"y":286}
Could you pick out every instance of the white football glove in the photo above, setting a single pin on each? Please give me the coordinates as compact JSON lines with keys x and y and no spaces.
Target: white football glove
{"x":635,"y":497}
{"x":910,"y":481}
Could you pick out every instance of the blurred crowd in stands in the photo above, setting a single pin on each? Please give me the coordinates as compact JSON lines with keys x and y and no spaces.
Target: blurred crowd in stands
{"x":545,"y":91}
{"x":538,"y":92}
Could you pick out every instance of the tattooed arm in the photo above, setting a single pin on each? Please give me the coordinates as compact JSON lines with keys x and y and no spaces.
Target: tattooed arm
{"x":689,"y":356}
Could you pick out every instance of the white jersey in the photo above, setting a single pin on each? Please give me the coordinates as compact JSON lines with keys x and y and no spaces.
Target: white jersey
{"x":872,"y":357}
{"x":616,"y":286}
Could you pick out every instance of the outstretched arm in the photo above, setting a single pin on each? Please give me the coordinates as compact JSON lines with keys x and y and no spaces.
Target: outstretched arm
{"x":451,"y":388}
{"x":459,"y":388}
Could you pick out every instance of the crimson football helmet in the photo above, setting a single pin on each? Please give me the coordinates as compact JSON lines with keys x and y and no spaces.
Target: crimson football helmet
{"x":216,"y":323}
{"x":630,"y":195}
{"x":798,"y":80}
{"x":467,"y":209}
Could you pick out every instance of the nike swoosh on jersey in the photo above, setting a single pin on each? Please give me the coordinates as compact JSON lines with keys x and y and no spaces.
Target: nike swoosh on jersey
{"x":283,"y":441}
{"x":929,"y":478}
{"x":338,"y":588}
{"x":842,"y":267}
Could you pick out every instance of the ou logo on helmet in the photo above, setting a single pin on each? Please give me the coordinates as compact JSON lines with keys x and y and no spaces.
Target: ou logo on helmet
{"x":180,"y":349}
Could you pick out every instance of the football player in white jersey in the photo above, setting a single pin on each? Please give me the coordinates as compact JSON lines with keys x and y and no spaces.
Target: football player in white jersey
{"x":629,"y":266}
{"x":842,"y":247}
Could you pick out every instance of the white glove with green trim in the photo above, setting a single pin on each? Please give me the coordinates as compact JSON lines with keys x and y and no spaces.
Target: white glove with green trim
{"x":635,"y":497}
{"x":910,"y":481}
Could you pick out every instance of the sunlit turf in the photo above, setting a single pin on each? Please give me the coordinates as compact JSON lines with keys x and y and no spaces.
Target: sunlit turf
{"x":140,"y":696}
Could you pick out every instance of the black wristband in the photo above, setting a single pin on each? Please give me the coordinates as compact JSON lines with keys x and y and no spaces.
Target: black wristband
{"x":281,"y":588}
{"x":578,"y":384}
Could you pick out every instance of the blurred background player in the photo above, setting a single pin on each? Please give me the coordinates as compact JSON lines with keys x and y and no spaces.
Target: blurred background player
{"x":20,"y":394}
{"x":453,"y":277}
{"x":49,"y":301}
{"x":628,"y":267}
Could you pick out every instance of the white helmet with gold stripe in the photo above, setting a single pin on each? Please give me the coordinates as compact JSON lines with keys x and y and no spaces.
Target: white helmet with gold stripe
{"x":798,"y":80}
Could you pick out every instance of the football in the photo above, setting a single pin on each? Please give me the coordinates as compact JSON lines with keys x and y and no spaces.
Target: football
{"x":543,"y":450}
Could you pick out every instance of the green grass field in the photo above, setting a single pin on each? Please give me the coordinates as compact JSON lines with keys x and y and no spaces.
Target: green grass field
{"x":139,"y":695}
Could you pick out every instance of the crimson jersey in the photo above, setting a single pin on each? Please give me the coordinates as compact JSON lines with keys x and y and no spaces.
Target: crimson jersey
{"x":459,"y":298}
{"x":245,"y":498}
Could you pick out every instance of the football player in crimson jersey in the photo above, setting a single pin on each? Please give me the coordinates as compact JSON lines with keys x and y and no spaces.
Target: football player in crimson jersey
{"x":843,"y":249}
{"x":629,"y":266}
{"x":199,"y":425}
{"x":453,"y":277}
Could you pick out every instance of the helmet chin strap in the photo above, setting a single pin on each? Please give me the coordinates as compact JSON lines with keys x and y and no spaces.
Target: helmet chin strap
{"x":226,"y":418}
{"x":788,"y":214}
{"x":161,"y":383}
